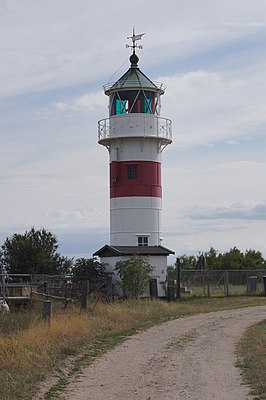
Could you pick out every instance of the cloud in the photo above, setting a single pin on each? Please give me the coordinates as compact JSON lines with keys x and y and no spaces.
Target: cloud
{"x":244,"y":25}
{"x":207,"y":107}
{"x":85,"y":103}
{"x":81,"y":243}
{"x":235,"y":211}
{"x":52,"y":45}
{"x":240,"y":165}
{"x":91,"y":217}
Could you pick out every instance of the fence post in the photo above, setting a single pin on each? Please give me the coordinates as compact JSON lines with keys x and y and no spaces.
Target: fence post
{"x":208,"y":284}
{"x":264,"y":283}
{"x":2,"y":271}
{"x":203,"y":280}
{"x":84,"y":294}
{"x":226,"y":283}
{"x":170,"y":290}
{"x":178,"y":278}
{"x":47,"y":311}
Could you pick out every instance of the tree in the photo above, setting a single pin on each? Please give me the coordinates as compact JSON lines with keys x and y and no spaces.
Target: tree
{"x":135,"y":274}
{"x":253,"y":260}
{"x":233,"y":259}
{"x":188,"y":262}
{"x":87,"y":268}
{"x":213,"y":259}
{"x":35,"y":251}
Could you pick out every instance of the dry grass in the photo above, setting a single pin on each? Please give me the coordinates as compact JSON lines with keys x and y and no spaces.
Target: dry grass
{"x":35,"y":348}
{"x":252,"y":359}
{"x":28,"y":355}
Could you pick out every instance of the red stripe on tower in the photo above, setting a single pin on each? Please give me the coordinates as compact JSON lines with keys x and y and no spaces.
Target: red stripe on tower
{"x":135,"y":178}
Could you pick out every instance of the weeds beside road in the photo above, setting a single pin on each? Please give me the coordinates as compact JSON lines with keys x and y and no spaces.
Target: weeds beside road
{"x":31,"y":349}
{"x":252,"y":359}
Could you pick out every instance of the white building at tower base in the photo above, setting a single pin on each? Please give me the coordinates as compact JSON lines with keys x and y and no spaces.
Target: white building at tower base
{"x":155,"y":255}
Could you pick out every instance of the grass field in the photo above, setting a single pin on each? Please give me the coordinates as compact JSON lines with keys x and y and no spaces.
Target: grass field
{"x":31,"y":349}
{"x":252,"y":359}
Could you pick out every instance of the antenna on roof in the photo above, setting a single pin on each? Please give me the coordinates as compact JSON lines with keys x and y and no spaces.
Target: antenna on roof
{"x":134,"y":38}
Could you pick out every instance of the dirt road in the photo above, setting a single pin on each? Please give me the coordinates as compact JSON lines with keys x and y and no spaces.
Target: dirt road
{"x":191,"y":358}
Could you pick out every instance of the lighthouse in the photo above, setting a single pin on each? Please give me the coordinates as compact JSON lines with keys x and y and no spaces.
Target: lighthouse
{"x":135,"y":136}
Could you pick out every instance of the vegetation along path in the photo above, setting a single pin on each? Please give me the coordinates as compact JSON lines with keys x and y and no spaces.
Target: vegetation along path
{"x":189,"y":358}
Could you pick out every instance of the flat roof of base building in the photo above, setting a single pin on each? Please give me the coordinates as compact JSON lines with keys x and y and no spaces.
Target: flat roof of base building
{"x":115,"y":251}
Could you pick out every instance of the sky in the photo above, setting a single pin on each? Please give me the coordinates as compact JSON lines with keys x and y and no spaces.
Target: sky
{"x":56,"y":55}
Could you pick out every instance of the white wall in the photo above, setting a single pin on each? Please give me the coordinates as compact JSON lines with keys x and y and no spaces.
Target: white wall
{"x":133,"y":216}
{"x":159,"y":263}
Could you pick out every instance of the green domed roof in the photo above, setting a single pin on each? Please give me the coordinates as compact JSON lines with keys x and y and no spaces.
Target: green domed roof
{"x":134,"y":79}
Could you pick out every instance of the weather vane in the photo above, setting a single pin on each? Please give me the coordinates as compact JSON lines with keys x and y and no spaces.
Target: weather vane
{"x":134,"y":38}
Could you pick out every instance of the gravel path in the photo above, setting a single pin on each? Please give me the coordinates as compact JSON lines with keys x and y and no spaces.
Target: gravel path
{"x":190,"y":358}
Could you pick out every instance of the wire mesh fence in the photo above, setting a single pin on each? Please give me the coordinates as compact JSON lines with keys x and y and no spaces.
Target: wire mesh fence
{"x":223,"y":282}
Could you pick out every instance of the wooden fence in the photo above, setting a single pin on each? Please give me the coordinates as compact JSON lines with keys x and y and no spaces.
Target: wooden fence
{"x":22,"y":289}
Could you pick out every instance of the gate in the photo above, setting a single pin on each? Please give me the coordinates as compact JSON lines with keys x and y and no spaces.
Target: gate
{"x":204,"y":283}
{"x":217,"y":283}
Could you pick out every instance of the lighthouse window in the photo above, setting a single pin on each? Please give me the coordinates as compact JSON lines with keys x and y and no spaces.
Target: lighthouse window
{"x":134,"y":101}
{"x":147,"y":106}
{"x":122,"y":106}
{"x":143,"y":241}
{"x":132,"y":172}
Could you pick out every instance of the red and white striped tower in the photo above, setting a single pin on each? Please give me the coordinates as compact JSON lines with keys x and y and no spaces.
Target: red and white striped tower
{"x":135,"y":136}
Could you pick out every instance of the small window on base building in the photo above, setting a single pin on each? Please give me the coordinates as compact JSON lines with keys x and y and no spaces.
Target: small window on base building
{"x":142,"y":240}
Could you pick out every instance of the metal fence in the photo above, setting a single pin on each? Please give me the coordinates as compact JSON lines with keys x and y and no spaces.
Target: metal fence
{"x":222,"y":282}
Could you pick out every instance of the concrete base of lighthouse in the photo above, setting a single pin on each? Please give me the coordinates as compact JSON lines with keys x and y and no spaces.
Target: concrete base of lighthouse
{"x":155,"y":255}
